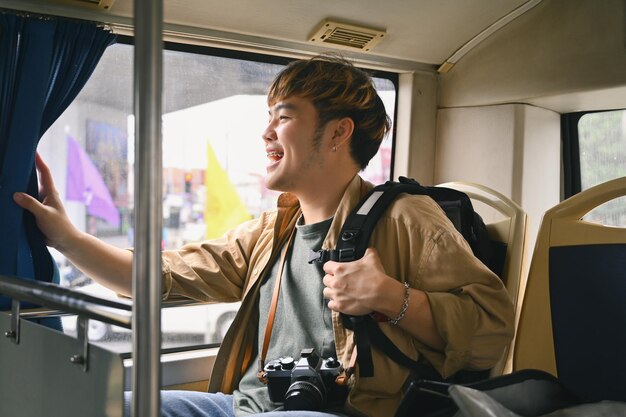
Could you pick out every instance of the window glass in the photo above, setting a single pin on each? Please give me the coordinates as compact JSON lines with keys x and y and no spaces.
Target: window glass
{"x":602,"y":145}
{"x":214,"y":113}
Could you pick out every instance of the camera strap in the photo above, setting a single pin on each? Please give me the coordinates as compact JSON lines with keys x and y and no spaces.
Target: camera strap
{"x":342,"y":378}
{"x":273,"y":307}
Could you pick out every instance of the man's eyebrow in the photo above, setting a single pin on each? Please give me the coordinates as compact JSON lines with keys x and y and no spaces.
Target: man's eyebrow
{"x":282,"y":106}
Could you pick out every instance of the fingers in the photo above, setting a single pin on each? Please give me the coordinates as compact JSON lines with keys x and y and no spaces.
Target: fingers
{"x":331,"y":281}
{"x":328,"y":293}
{"x":329,"y":266}
{"x":27,"y":202}
{"x":45,"y":177}
{"x":352,"y":287}
{"x":341,"y":299}
{"x":333,"y":299}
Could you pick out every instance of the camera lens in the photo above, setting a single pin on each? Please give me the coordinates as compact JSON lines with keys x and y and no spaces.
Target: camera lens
{"x":304,"y":395}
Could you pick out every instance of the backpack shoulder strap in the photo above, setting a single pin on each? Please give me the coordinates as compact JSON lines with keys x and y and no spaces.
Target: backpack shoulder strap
{"x":352,"y":244}
{"x":360,"y":223}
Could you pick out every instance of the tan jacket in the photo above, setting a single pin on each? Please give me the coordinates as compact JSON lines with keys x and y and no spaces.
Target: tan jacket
{"x":415,"y":242}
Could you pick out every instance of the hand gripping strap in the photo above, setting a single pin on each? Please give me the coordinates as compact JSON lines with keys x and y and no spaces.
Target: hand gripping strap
{"x":354,"y":240}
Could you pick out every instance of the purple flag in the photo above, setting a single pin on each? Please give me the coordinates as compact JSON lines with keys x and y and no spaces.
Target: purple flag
{"x":85,"y":184}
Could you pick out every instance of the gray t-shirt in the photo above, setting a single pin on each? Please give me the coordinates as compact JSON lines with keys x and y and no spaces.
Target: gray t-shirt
{"x":302,"y":319}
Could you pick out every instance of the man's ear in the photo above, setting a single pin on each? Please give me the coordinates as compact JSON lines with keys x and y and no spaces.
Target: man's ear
{"x":343,"y":131}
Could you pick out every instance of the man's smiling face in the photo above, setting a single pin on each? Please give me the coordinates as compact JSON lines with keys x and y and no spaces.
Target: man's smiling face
{"x":294,"y":145}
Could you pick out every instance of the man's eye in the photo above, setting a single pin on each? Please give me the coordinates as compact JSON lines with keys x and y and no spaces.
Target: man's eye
{"x":283,"y":117}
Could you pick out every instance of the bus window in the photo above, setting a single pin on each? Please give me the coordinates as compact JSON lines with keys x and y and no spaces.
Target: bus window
{"x":213,"y":164}
{"x":602,"y":147}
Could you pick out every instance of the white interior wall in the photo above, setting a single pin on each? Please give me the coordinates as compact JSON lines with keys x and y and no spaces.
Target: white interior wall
{"x":539,"y":184}
{"x":514,"y":149}
{"x":416,"y":127}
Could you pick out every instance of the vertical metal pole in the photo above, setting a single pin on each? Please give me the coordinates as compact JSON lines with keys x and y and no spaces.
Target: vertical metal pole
{"x":148,"y":70}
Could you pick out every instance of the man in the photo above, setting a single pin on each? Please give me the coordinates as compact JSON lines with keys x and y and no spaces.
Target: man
{"x":326,"y":122}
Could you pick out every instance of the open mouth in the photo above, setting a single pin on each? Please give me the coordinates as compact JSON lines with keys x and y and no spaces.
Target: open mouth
{"x":275,"y":156}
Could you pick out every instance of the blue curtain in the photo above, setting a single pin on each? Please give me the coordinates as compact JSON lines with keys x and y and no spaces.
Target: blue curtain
{"x":44,"y":63}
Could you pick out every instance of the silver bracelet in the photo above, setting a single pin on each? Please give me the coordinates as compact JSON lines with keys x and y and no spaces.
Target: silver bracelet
{"x":405,"y":305}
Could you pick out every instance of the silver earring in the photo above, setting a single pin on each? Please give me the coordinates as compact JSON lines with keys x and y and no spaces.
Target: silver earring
{"x":334,"y":148}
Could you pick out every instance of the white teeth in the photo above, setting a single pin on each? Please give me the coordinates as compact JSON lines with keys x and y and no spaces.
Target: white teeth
{"x":275,"y":155}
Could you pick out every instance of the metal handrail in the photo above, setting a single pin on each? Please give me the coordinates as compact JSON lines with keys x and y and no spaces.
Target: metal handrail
{"x":61,"y":298}
{"x":44,"y":312}
{"x":148,"y":82}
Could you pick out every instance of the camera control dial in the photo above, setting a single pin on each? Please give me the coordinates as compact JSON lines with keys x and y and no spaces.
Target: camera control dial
{"x":286,"y":362}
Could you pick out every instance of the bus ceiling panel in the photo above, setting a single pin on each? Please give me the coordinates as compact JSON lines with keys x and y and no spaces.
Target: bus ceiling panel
{"x":562,"y":55}
{"x":418,"y":31}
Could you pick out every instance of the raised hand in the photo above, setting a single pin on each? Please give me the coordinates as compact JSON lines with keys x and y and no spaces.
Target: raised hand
{"x":50,"y":213}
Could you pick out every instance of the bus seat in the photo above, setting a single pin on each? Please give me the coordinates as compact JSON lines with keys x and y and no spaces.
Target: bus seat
{"x":573,"y":318}
{"x":506,"y":225}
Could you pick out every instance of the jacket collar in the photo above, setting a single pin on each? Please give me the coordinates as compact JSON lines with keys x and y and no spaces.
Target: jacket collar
{"x":289,"y":208}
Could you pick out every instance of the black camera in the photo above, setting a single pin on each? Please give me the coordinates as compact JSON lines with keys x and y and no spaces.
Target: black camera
{"x":308,"y":384}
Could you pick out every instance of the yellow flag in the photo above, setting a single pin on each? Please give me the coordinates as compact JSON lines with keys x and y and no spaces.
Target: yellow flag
{"x":223,"y":208}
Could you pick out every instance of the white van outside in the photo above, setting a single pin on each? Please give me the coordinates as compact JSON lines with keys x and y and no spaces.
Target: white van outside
{"x":204,"y":323}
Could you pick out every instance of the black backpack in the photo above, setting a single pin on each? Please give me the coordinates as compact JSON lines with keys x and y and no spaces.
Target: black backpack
{"x":528,"y":392}
{"x":354,"y":240}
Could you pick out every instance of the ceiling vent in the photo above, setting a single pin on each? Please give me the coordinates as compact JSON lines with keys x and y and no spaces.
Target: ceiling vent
{"x":101,"y":4}
{"x":345,"y":36}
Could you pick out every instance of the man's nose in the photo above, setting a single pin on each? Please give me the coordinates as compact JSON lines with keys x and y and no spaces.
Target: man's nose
{"x":269,"y":133}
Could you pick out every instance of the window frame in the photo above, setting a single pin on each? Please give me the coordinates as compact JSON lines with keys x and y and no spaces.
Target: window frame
{"x":572,"y":179}
{"x":269,"y":59}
